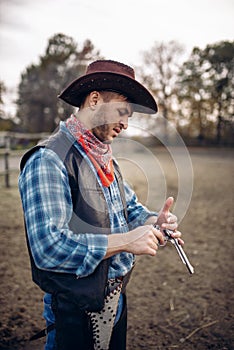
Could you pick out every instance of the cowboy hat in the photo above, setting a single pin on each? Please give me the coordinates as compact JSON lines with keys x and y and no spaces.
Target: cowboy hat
{"x":110,"y":75}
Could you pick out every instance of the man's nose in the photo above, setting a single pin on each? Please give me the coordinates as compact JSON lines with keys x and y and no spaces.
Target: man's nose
{"x":124,"y":122}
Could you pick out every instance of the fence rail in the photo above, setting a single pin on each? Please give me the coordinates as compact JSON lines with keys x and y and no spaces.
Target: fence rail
{"x":8,"y":140}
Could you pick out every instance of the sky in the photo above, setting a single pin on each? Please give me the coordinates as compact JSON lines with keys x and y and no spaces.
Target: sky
{"x":121,"y":29}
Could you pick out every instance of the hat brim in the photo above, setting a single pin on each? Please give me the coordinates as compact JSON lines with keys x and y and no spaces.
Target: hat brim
{"x":143,"y":101}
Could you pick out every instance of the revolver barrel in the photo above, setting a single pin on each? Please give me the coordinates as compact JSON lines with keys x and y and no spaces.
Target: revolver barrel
{"x":178,"y":247}
{"x":180,"y":251}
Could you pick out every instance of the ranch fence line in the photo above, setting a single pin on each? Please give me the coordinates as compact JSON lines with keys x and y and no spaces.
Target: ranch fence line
{"x":12,"y":146}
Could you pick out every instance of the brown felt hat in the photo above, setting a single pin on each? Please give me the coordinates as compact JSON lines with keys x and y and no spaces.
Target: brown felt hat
{"x":110,"y":75}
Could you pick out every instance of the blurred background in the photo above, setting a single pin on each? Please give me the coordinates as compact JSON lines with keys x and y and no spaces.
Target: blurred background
{"x":183,"y":51}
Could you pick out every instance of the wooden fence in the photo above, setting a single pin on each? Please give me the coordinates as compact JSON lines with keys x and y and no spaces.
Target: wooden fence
{"x":10,"y":142}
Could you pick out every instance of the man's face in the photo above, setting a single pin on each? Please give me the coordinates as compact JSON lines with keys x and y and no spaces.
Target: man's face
{"x":110,"y":119}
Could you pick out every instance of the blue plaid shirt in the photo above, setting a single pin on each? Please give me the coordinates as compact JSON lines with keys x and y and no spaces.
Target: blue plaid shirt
{"x":47,"y":204}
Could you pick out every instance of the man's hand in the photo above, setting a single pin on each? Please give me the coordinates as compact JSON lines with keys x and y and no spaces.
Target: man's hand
{"x":145,"y":239}
{"x":142,"y":240}
{"x":167,"y":220}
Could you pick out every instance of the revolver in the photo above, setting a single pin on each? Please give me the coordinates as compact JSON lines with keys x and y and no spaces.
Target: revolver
{"x":178,"y":247}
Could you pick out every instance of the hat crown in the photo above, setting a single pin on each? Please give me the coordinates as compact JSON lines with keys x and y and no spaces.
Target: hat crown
{"x":109,"y":75}
{"x":110,"y":67}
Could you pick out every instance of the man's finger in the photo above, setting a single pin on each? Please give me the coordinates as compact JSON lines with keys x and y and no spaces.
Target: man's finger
{"x":169,"y":226}
{"x":171,"y":218}
{"x":168,"y":204}
{"x":158,"y":235}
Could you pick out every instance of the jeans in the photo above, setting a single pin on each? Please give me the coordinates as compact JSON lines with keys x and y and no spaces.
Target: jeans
{"x":50,"y":319}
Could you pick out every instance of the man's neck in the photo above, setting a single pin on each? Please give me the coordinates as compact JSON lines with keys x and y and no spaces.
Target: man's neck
{"x":83,"y":116}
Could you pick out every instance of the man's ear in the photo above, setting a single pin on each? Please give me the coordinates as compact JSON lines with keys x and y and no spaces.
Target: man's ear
{"x":94,"y":97}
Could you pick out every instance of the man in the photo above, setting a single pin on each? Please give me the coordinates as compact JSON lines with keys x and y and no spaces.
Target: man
{"x":83,"y":223}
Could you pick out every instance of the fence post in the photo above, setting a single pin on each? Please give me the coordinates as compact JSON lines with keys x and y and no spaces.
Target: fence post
{"x":6,"y":161}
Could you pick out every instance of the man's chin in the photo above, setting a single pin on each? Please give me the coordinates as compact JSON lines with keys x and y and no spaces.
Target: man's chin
{"x":107,"y":142}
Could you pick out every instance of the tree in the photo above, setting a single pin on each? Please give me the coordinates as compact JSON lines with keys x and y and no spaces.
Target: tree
{"x":159,"y":73}
{"x":220,"y":56}
{"x":192,"y":95}
{"x":205,"y":90}
{"x":2,"y":92}
{"x":39,"y":109}
{"x":161,"y":67}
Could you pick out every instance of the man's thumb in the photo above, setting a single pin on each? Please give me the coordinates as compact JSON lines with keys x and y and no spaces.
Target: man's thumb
{"x":168,"y":204}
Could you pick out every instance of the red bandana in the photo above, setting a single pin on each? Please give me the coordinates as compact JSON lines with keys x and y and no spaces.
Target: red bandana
{"x":99,"y":153}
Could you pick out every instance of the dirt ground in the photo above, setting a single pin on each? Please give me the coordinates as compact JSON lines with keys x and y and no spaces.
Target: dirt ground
{"x":168,"y":307}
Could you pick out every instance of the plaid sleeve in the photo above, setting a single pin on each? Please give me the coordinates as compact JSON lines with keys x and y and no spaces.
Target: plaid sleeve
{"x":47,"y":205}
{"x":137,"y":213}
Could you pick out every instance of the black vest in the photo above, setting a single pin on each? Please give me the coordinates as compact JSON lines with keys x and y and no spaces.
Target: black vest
{"x":90,"y":215}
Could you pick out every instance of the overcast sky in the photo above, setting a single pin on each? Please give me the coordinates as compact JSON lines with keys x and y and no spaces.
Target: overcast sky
{"x":120,"y":29}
